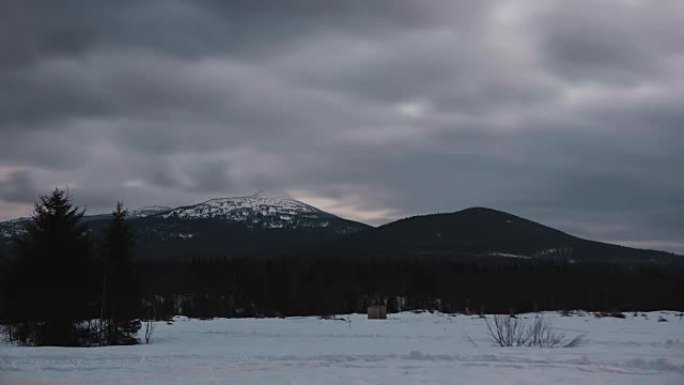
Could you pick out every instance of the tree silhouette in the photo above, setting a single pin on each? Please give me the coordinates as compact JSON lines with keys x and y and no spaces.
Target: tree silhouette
{"x":52,"y":281}
{"x":121,"y":297}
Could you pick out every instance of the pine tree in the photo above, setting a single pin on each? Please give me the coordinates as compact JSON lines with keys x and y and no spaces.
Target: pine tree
{"x":52,"y":287}
{"x":121,"y":300}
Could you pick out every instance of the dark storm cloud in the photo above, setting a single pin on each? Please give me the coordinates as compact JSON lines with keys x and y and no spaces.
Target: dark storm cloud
{"x":566,"y":112}
{"x":18,"y":188}
{"x":210,"y":176}
{"x":611,"y":41}
{"x":40,"y":28}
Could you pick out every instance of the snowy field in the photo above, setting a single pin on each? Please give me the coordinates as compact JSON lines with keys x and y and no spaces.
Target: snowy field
{"x":405,"y":349}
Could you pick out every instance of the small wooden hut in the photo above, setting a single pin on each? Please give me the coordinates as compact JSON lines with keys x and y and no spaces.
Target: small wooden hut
{"x":377,"y":312}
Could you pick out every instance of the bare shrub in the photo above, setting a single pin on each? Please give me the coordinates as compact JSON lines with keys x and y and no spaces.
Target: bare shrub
{"x":509,"y":331}
{"x":149,"y":330}
{"x":506,"y":330}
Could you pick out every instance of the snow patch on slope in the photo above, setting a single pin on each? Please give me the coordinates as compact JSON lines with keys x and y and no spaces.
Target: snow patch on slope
{"x":509,"y":255}
{"x":146,"y":211}
{"x":274,"y":212}
{"x":13,"y":228}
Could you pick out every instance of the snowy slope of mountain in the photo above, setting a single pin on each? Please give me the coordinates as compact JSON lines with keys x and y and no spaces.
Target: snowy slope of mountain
{"x":252,"y":225}
{"x":256,"y":211}
{"x":146,"y":211}
{"x":12,"y":228}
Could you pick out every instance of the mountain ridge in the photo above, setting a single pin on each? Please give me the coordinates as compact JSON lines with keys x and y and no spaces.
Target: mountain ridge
{"x":258,"y":224}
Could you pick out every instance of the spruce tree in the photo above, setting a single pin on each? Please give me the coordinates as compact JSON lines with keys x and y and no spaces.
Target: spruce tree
{"x":52,"y":287}
{"x":121,"y":299}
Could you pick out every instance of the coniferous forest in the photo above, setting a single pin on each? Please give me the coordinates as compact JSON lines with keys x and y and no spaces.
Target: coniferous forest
{"x":63,"y":286}
{"x":285,"y":286}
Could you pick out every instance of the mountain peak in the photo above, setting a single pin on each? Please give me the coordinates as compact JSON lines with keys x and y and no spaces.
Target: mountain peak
{"x":256,"y":211}
{"x":477,"y":210}
{"x":260,"y":201}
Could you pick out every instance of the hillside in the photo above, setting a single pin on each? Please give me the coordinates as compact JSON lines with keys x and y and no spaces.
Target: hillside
{"x":484,"y":232}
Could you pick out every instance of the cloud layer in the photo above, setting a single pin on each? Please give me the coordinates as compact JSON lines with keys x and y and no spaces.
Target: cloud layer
{"x":569,"y":113}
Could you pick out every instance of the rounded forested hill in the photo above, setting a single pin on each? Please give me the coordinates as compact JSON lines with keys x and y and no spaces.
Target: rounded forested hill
{"x":482,"y":231}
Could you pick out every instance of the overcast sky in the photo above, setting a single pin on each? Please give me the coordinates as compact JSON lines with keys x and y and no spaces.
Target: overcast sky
{"x":570,"y":113}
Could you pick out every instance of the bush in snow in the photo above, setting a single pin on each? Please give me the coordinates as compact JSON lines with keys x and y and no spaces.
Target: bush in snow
{"x":509,"y":331}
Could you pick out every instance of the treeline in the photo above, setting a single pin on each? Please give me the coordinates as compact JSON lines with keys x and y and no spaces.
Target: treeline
{"x":61,"y":288}
{"x":291,"y":285}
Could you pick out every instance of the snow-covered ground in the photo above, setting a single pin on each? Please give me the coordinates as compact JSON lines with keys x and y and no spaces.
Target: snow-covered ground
{"x":405,"y":349}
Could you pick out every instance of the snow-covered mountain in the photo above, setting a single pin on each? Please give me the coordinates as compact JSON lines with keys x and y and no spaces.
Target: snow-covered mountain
{"x":254,"y":224}
{"x":256,"y":211}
